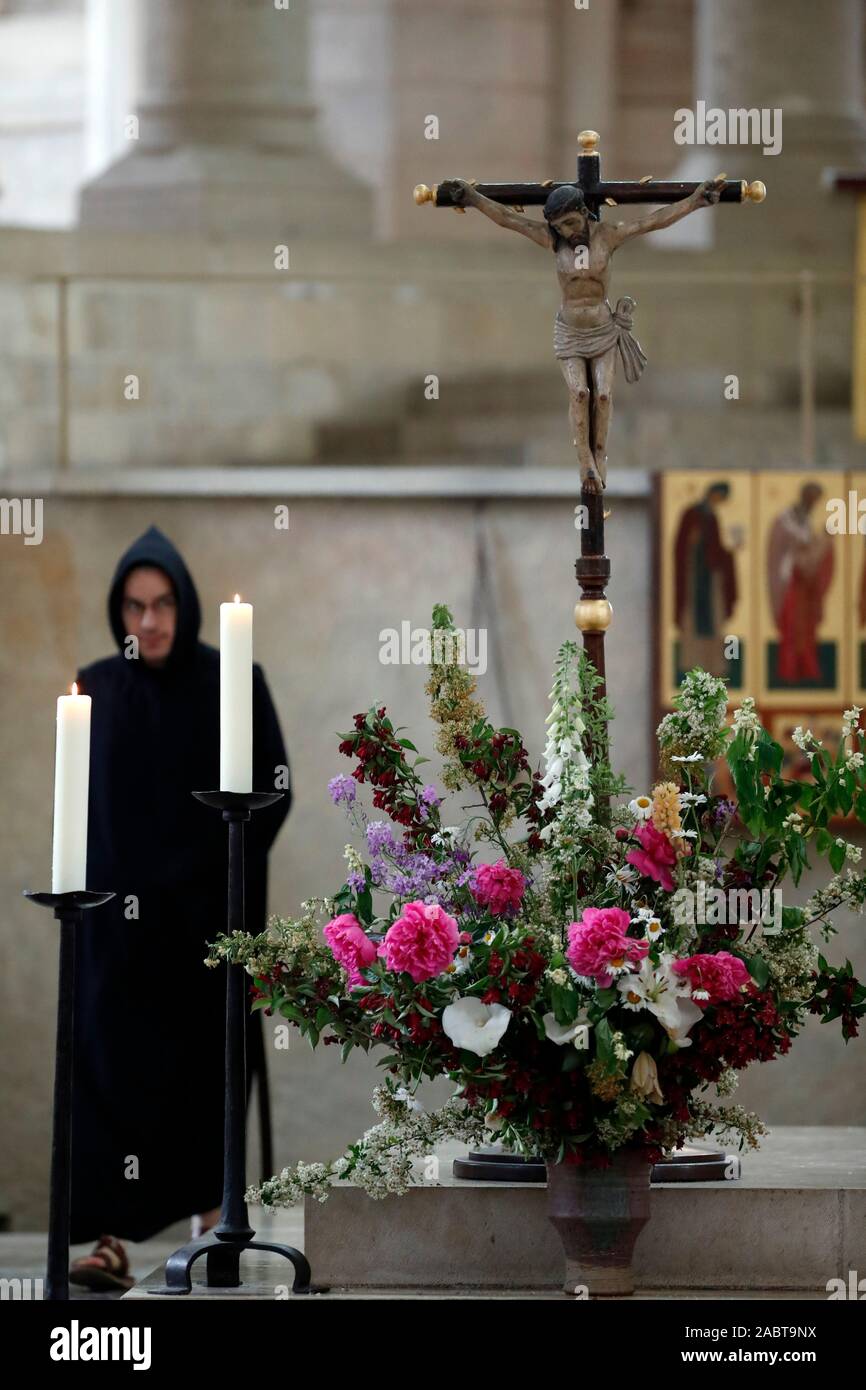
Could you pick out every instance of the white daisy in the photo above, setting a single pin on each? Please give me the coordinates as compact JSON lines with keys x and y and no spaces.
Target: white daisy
{"x":624,"y":877}
{"x":461,"y":962}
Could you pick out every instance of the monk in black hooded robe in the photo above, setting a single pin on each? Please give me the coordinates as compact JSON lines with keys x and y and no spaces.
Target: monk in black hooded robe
{"x":149,"y":1015}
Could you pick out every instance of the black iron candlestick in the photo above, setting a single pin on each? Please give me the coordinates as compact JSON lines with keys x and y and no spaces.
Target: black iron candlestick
{"x":68,"y":909}
{"x":233,"y":1235}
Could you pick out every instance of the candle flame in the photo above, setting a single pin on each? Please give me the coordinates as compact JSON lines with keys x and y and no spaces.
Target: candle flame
{"x":74,"y":688}
{"x":237,"y":598}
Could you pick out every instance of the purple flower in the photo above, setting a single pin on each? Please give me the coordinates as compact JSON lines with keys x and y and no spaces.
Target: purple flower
{"x":723,"y":810}
{"x":379,"y":838}
{"x":356,"y":880}
{"x":342,"y":789}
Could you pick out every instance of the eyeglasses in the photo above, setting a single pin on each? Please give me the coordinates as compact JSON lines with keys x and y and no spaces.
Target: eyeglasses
{"x":134,"y":608}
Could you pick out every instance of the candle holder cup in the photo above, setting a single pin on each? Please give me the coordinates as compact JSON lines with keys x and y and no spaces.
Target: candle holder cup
{"x":68,"y":909}
{"x":224,"y":1245}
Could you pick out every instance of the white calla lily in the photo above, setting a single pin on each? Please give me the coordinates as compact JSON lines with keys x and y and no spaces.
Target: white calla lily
{"x":475,"y":1026}
{"x":562,"y":1033}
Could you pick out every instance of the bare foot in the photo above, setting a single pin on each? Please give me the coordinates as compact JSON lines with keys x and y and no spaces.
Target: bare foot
{"x":204,"y":1221}
{"x":591,"y":481}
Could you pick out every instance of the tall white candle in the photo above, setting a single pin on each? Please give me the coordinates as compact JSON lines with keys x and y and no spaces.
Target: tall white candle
{"x":71,"y":785}
{"x":236,"y":696}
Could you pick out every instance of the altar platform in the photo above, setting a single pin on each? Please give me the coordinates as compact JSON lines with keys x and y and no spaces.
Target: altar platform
{"x":794,"y":1220}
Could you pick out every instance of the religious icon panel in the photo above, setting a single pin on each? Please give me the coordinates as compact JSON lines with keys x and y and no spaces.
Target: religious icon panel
{"x":758,"y":585}
{"x":706,"y":551}
{"x":804,"y":654}
{"x":856,"y":597}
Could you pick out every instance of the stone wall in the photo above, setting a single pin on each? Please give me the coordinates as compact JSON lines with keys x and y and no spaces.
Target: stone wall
{"x":322,"y":591}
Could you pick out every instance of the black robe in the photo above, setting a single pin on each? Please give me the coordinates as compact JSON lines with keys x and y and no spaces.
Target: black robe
{"x":149,"y":1015}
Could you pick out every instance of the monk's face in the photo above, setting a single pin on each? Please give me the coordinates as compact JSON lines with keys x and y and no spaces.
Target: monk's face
{"x":149,"y":610}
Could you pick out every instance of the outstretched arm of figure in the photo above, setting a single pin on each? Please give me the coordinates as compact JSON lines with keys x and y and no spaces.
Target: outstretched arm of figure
{"x":704,"y":196}
{"x":464,"y":195}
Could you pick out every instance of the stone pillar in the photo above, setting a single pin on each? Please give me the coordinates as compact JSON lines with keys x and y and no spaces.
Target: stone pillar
{"x":227,"y":142}
{"x":485,"y":74}
{"x":41,"y":129}
{"x":586,"y":87}
{"x":110,"y":80}
{"x":806,"y":60}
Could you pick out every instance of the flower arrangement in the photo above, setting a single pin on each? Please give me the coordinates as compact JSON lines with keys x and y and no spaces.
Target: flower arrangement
{"x":584,"y":967}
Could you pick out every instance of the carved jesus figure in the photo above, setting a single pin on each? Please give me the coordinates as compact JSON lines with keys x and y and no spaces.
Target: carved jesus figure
{"x":588,"y":333}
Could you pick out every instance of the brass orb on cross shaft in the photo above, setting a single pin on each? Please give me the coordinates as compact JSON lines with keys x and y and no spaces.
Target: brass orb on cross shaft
{"x":588,"y":140}
{"x":593,"y":614}
{"x":755,"y":192}
{"x":422,"y":194}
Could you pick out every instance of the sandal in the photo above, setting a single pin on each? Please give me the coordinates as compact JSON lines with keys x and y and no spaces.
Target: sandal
{"x":107,"y":1267}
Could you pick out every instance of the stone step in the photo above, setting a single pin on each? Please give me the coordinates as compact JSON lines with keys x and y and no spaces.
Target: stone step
{"x":794,"y":1220}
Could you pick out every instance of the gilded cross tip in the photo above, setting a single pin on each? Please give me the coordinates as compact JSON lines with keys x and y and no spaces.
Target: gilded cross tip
{"x":755,"y":192}
{"x":588,"y":140}
{"x":422,"y":194}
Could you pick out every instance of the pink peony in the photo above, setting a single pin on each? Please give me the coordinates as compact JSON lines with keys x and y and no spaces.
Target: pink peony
{"x":598,"y":944}
{"x":721,"y":975}
{"x":350,"y":945}
{"x":655,"y":858}
{"x":498,"y":888}
{"x":422,"y":941}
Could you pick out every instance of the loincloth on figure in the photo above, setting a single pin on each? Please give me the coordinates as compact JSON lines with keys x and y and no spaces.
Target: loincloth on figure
{"x":593,"y":342}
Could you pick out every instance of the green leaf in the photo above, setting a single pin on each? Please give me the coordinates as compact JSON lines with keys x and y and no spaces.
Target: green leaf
{"x":390,"y":1060}
{"x":290,"y":1011}
{"x":604,"y":1042}
{"x":346,"y":1049}
{"x":792,"y":917}
{"x":837,"y":857}
{"x":565,"y":1003}
{"x":323,"y":1017}
{"x":364,"y":904}
{"x":759,"y":970}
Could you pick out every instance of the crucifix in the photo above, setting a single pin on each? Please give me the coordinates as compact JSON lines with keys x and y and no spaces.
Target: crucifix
{"x":589,"y":335}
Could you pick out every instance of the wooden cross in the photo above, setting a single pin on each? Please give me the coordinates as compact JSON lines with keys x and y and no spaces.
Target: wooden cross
{"x":596,"y":191}
{"x":592,"y":613}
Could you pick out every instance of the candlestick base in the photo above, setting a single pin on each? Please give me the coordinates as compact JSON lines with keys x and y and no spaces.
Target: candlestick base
{"x":223,"y":1258}
{"x":67,"y":908}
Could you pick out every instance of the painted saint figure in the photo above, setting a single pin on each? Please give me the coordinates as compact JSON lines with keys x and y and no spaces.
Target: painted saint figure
{"x":588,"y":333}
{"x":799,"y":573}
{"x":705,"y":584}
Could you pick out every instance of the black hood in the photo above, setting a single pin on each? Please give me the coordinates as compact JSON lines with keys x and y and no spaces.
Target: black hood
{"x":153,"y":548}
